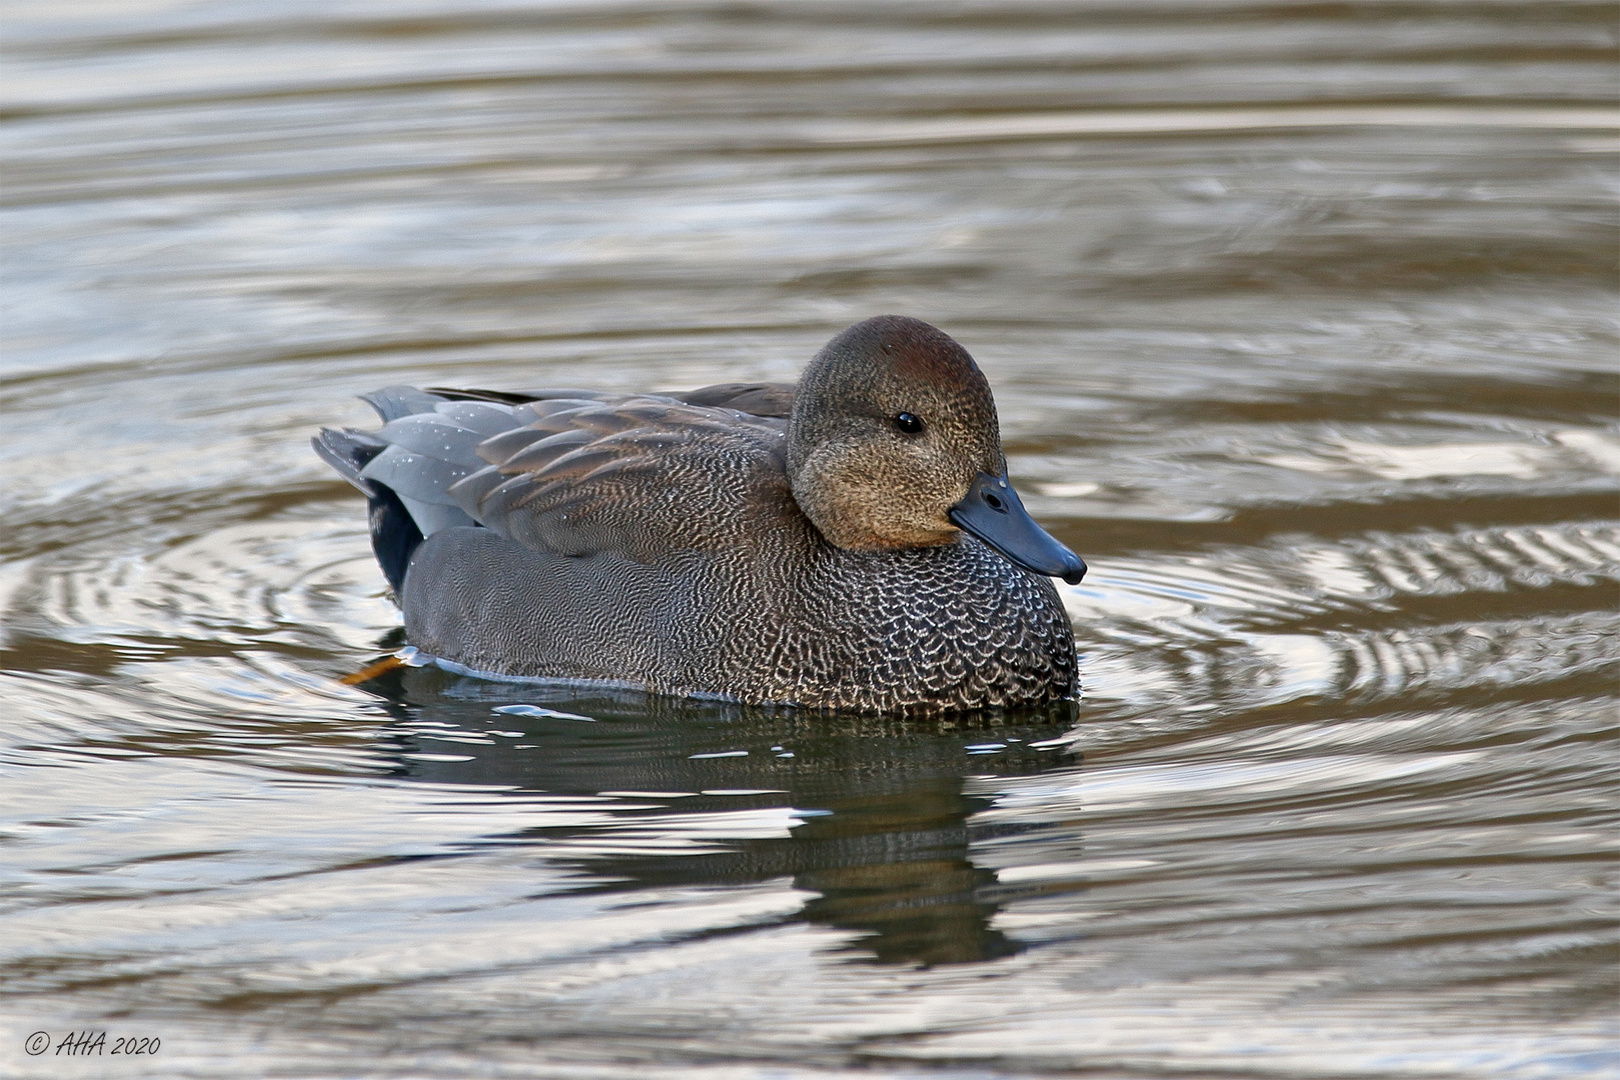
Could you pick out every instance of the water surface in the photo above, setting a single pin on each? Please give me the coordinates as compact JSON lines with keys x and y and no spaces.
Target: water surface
{"x":1301,"y":324}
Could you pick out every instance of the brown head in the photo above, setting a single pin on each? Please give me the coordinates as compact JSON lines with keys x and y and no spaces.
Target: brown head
{"x":894,"y":443}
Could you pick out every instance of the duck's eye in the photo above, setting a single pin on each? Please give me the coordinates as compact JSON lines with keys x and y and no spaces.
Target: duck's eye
{"x":908,"y":423}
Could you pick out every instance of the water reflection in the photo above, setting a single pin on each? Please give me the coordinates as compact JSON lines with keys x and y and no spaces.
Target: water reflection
{"x":868,"y":814}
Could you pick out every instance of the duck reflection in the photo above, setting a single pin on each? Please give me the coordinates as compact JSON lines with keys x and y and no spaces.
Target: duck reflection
{"x":877,"y":824}
{"x":895,"y":867}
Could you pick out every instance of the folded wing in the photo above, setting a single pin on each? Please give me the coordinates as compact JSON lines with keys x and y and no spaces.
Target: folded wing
{"x":641,"y":477}
{"x":568,"y":472}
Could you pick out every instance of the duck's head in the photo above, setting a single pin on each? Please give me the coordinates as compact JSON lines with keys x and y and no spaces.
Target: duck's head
{"x":894,"y":443}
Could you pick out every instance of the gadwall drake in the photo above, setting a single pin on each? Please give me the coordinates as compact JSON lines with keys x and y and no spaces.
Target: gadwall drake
{"x":848,"y":543}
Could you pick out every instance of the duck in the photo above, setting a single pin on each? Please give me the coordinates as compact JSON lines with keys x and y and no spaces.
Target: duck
{"x":850,"y":542}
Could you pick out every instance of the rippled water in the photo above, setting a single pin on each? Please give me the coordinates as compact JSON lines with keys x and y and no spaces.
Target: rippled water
{"x":1301,"y":323}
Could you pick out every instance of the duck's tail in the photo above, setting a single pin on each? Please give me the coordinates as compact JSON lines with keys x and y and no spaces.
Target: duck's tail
{"x":348,"y":451}
{"x":394,"y":533}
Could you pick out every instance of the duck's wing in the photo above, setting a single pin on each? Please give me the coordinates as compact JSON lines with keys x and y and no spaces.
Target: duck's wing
{"x":639,"y":477}
{"x":564,"y":471}
{"x":756,"y":399}
{"x":518,"y":397}
{"x":425,"y":445}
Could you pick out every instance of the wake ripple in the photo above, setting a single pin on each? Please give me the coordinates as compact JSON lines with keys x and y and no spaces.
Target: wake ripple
{"x":1377,"y":616}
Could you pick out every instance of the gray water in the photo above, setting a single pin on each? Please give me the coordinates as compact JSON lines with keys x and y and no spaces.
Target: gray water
{"x":1301,"y":322}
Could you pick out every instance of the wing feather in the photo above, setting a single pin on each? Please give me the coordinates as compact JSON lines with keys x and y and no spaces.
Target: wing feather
{"x":477,"y":415}
{"x":416,"y":476}
{"x":641,"y":477}
{"x":434,"y":435}
{"x":759,"y":399}
{"x":536,"y":454}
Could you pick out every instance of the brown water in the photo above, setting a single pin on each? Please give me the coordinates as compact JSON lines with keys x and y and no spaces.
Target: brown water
{"x":1301,"y":322}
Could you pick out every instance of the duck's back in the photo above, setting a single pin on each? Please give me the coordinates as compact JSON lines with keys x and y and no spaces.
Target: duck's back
{"x":655,"y":541}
